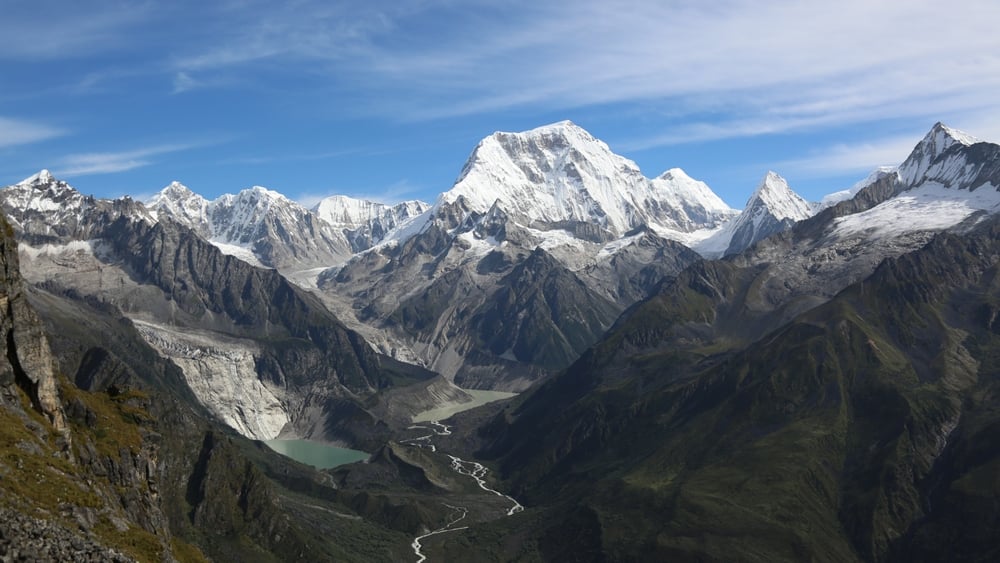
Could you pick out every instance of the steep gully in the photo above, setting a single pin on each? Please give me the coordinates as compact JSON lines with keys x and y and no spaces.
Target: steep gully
{"x":469,"y":468}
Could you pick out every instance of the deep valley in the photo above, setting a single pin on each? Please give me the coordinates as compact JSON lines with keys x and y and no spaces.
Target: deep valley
{"x":559,"y":359}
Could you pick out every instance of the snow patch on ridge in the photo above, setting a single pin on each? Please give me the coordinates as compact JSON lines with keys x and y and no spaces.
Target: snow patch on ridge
{"x":479,"y":246}
{"x":844,"y":195}
{"x":931,"y":206}
{"x":73,"y":246}
{"x":243,"y":252}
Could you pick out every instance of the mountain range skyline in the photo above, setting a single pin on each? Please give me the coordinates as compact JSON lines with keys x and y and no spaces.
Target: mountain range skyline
{"x":315,"y":201}
{"x":383,"y":101}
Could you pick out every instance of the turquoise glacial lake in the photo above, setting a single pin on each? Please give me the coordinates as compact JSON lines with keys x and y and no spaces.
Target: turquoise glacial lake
{"x":316,"y":454}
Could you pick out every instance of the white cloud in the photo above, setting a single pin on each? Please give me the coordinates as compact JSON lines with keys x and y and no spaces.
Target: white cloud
{"x":858,"y":157}
{"x":111,"y":162}
{"x":51,"y":29}
{"x":759,"y":67}
{"x":19,"y":132}
{"x":865,"y":156}
{"x":183,"y":82}
{"x":782,"y":65}
{"x":726,"y":69}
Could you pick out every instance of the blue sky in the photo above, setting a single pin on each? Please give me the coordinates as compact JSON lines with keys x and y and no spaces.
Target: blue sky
{"x":386,"y":100}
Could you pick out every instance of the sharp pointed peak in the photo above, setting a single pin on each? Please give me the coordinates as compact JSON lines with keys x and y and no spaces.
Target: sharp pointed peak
{"x":776,"y":195}
{"x":940,"y":131}
{"x":771,"y":182}
{"x":675,"y":173}
{"x":43,"y":176}
{"x":940,"y":140}
{"x":176,"y":187}
{"x":772,"y":176}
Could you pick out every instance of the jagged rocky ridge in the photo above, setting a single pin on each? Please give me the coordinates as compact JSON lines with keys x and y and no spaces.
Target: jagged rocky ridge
{"x":266,"y":228}
{"x":555,"y":187}
{"x":556,"y":191}
{"x":307,"y":372}
{"x":257,"y":225}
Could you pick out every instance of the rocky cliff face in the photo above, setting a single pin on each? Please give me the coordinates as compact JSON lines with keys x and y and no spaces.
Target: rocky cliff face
{"x":306,"y":360}
{"x":77,"y":463}
{"x":26,"y":360}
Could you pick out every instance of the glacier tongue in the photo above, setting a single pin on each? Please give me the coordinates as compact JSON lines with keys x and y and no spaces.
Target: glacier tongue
{"x":223,"y":375}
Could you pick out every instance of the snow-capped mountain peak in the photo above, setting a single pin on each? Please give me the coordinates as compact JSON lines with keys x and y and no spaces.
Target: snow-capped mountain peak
{"x":239,"y":217}
{"x":701,"y":207}
{"x":257,"y":224}
{"x":41,"y":177}
{"x":347,"y":212}
{"x":560,"y":173}
{"x":44,"y":193}
{"x":48,"y":209}
{"x":772,"y":208}
{"x":677,"y":183}
{"x":943,"y":136}
{"x":256,"y":197}
{"x":366,"y":223}
{"x":937,"y":156}
{"x":172,"y":194}
{"x":774,"y":194}
{"x":178,"y":201}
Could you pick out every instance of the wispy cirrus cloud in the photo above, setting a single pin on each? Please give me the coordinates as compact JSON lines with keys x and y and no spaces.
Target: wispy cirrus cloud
{"x":652,"y":74}
{"x":764,"y":68}
{"x":52,"y":29}
{"x":866,"y":155}
{"x":183,"y":82}
{"x":20,"y":132}
{"x":87,"y":164}
{"x":848,"y":158}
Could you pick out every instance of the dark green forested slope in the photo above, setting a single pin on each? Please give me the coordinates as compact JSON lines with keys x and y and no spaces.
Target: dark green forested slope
{"x":865,"y":429}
